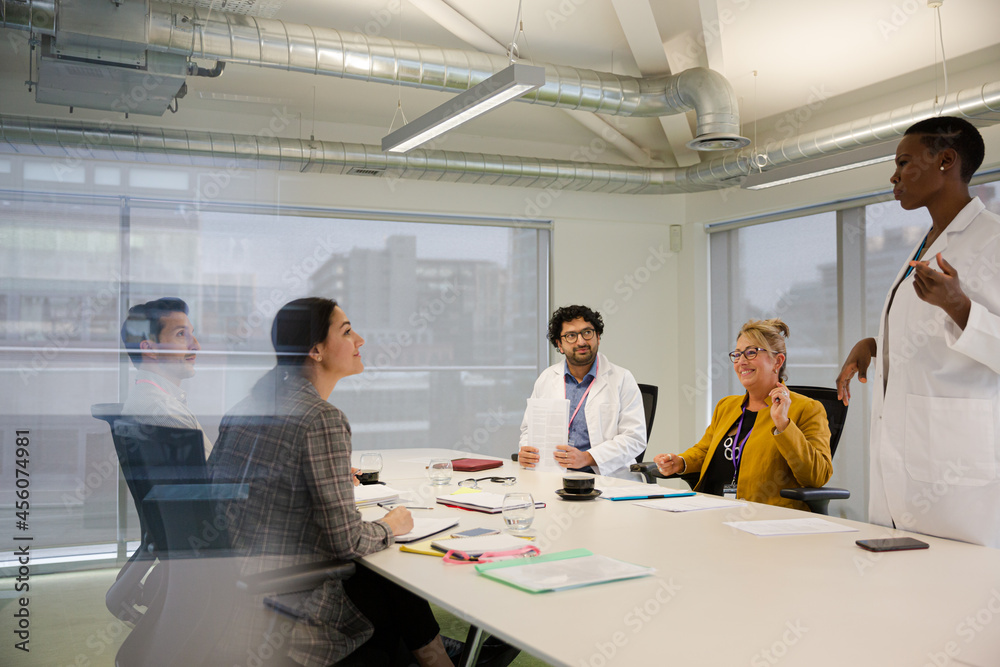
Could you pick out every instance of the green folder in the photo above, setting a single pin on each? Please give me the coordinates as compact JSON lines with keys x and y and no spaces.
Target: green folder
{"x":558,"y":579}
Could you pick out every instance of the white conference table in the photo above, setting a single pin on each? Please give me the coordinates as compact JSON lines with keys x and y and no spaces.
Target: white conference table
{"x":719,"y":596}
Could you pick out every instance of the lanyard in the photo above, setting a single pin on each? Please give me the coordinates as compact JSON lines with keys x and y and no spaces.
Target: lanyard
{"x":144,"y":381}
{"x":597,"y":369}
{"x":909,"y":270}
{"x":738,"y":451}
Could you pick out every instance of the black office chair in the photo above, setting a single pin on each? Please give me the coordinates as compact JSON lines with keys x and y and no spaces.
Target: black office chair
{"x":836,"y":414}
{"x":819,"y":499}
{"x":649,"y":392}
{"x":196,"y":586}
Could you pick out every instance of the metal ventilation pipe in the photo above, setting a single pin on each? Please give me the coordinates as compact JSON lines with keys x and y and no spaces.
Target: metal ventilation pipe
{"x":272,"y":43}
{"x":228,"y":151}
{"x":238,"y":151}
{"x":32,"y":15}
{"x":981,"y":104}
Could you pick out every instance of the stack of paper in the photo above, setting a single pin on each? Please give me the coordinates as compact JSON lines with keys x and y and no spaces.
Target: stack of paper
{"x":563,"y":570}
{"x":479,"y":501}
{"x":476,"y":546}
{"x":372,"y":494}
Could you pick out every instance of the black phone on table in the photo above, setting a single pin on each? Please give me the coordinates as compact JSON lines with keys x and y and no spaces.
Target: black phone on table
{"x":892,"y":544}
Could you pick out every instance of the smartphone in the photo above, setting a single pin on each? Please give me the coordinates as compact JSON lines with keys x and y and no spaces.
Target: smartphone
{"x":891,"y":544}
{"x":476,"y":532}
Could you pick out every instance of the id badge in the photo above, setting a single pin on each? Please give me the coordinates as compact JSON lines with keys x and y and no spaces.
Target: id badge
{"x":729,"y":491}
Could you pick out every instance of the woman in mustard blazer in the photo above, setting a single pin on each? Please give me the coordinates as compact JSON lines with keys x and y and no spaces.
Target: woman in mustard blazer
{"x":765,"y":440}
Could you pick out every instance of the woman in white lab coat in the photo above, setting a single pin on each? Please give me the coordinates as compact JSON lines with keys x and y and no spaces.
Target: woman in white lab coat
{"x":935,"y":431}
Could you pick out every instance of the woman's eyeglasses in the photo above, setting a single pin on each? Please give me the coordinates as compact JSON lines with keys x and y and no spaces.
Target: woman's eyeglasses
{"x":750,"y":353}
{"x":474,"y":483}
{"x":571,"y":336}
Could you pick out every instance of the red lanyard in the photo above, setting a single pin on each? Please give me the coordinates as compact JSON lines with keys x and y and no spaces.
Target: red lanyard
{"x":597,"y":369}
{"x":152,"y":383}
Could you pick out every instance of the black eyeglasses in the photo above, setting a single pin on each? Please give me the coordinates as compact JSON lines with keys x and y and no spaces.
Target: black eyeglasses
{"x":474,"y":483}
{"x":749,"y":353}
{"x":571,"y":336}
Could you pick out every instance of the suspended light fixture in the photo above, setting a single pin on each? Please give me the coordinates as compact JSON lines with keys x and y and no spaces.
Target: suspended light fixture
{"x":502,"y":87}
{"x":821,"y":166}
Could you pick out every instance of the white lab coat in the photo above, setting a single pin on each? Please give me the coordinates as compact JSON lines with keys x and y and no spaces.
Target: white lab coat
{"x":616,"y":422}
{"x":935,"y":432}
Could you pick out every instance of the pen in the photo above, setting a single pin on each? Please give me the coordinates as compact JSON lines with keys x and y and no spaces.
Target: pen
{"x":389,"y":506}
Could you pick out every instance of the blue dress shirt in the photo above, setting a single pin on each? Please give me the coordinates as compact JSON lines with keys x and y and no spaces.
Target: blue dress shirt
{"x":579,"y":437}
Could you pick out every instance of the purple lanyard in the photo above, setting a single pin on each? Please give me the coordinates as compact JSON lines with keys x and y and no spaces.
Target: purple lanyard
{"x":597,"y":369}
{"x":738,"y":450}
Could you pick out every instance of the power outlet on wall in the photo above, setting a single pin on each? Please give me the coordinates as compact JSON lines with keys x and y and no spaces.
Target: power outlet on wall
{"x":675,"y":238}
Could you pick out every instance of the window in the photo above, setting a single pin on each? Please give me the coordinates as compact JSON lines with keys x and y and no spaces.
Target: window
{"x":453,"y":316}
{"x":785,"y":269}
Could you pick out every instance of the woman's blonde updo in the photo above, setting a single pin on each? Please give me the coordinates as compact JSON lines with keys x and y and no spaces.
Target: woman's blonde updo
{"x":770,"y":335}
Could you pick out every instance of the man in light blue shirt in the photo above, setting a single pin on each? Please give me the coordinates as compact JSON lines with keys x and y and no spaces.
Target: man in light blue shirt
{"x":607,"y":427}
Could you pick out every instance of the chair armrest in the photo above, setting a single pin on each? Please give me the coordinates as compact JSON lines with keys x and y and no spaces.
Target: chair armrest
{"x":650,"y":472}
{"x":296,"y":578}
{"x":807,"y":494}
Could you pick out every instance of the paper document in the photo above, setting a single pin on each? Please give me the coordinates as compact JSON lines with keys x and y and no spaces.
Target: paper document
{"x":425,"y":527}
{"x":790,"y":527}
{"x":563,"y":570}
{"x":640,"y":491}
{"x":548,"y":426}
{"x":372,"y":494}
{"x":691,"y":503}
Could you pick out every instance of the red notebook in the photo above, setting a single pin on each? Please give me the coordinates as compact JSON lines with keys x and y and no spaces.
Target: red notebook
{"x":474,"y":465}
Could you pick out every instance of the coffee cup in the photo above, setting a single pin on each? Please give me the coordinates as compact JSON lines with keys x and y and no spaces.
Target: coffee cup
{"x":578,"y":484}
{"x":368,"y":476}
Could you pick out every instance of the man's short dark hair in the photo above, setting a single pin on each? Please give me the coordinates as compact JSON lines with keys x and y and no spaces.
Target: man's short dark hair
{"x":145,"y":322}
{"x":956,"y":133}
{"x":570,"y":313}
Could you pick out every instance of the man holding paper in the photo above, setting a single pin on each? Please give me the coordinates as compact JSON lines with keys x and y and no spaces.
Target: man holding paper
{"x":604,"y":427}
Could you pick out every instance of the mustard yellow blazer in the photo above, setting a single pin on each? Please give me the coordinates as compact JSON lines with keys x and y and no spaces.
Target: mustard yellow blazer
{"x":799,"y":456}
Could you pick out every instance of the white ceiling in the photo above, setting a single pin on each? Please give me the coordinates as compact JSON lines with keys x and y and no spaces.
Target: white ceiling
{"x":845,"y":54}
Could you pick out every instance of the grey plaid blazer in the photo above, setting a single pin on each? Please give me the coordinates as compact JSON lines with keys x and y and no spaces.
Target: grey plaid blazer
{"x":294,"y":449}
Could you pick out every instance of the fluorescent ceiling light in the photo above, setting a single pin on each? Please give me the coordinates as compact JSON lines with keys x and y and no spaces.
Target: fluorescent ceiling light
{"x":821,"y":166}
{"x":500,"y":88}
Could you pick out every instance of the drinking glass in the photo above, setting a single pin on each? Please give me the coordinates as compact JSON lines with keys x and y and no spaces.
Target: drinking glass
{"x":371,"y":466}
{"x":439,"y":471}
{"x":518,"y":511}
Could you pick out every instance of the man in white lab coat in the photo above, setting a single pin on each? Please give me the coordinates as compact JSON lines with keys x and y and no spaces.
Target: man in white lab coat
{"x":935,"y":432}
{"x":607,"y":427}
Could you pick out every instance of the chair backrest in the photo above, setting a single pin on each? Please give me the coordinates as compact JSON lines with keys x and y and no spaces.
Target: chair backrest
{"x":152,"y":455}
{"x":649,"y":395}
{"x":836,"y":411}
